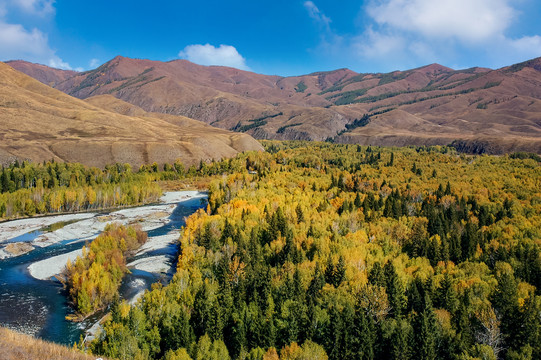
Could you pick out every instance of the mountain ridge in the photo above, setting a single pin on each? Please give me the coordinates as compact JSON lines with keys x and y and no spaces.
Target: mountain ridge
{"x":443,"y":104}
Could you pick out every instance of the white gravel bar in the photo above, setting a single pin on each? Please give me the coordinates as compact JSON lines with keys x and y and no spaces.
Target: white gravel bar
{"x":45,"y":269}
{"x":149,"y":217}
{"x":153,"y":264}
{"x":14,"y":228}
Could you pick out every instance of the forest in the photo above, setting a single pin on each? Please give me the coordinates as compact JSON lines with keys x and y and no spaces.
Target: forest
{"x":93,"y":279}
{"x":29,"y":189}
{"x":327,"y":251}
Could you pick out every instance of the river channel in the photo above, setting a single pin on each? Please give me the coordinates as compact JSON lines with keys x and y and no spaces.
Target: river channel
{"x":38,"y":307}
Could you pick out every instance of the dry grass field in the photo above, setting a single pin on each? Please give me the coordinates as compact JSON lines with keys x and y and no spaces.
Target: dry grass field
{"x":15,"y":346}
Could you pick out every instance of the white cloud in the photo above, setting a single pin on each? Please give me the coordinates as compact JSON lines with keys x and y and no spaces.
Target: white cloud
{"x":57,"y":63}
{"x":36,"y":7}
{"x":16,"y":42}
{"x":373,"y":44}
{"x":407,"y":33}
{"x":518,"y":50}
{"x":224,"y":55}
{"x":465,"y":20}
{"x":94,"y":63}
{"x":531,"y":44}
{"x":444,"y":28}
{"x":316,"y":14}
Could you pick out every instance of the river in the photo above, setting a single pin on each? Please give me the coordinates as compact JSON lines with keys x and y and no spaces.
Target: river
{"x":39,"y":307}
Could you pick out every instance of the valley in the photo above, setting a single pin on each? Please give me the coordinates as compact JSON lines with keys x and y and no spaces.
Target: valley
{"x":377,"y":215}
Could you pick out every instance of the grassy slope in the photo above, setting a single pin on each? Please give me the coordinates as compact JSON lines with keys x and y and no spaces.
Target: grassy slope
{"x":15,"y":346}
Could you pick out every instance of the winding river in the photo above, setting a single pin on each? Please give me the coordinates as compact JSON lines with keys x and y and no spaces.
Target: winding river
{"x":38,"y":307}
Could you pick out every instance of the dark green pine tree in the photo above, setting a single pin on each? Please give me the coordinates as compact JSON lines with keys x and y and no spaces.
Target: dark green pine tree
{"x":505,"y":301}
{"x":300,"y":214}
{"x":339,"y":272}
{"x":448,"y":189}
{"x":446,"y":295}
{"x":176,"y":331}
{"x":395,"y":290}
{"x":235,"y":338}
{"x":397,"y":209}
{"x":391,"y":160}
{"x":279,"y":223}
{"x":335,"y":346}
{"x":402,"y":340}
{"x":298,"y":291}
{"x":329,"y":271}
{"x":254,"y":325}
{"x":227,"y":232}
{"x":202,"y":315}
{"x":206,"y":237}
{"x":377,"y":276}
{"x":349,"y":340}
{"x":469,"y":240}
{"x":426,"y":333}
{"x":455,"y":249}
{"x":357,"y":202}
{"x":363,"y":336}
{"x":4,"y":181}
{"x":461,"y":322}
{"x":317,"y":283}
{"x":115,"y":309}
{"x":268,"y":336}
{"x":529,"y":333}
{"x":388,"y":210}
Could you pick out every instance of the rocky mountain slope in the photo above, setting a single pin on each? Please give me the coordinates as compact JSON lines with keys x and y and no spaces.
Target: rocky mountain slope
{"x":41,"y":123}
{"x":480,"y":109}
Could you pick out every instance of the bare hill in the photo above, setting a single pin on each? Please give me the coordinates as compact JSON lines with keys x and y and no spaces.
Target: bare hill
{"x":42,"y":123}
{"x":428,"y":105}
{"x":44,"y":74}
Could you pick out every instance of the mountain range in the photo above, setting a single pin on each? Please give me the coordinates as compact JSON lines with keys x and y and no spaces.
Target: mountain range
{"x":40,"y":123}
{"x":478,"y":109}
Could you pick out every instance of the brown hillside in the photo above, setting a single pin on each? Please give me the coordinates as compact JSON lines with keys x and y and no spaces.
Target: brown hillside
{"x":41,"y":123}
{"x":15,"y":346}
{"x":42,"y":73}
{"x":428,"y":105}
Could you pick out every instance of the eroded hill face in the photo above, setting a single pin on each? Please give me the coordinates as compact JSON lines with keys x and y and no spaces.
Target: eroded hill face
{"x":41,"y":123}
{"x":496,"y":110}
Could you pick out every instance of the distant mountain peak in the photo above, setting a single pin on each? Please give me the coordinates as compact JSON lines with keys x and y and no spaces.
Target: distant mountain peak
{"x":435,"y":67}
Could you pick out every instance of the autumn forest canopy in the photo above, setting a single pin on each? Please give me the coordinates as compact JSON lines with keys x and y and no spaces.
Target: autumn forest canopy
{"x":316,"y":251}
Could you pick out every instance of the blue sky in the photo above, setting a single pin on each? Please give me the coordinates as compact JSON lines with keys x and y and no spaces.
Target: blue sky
{"x":283,"y":37}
